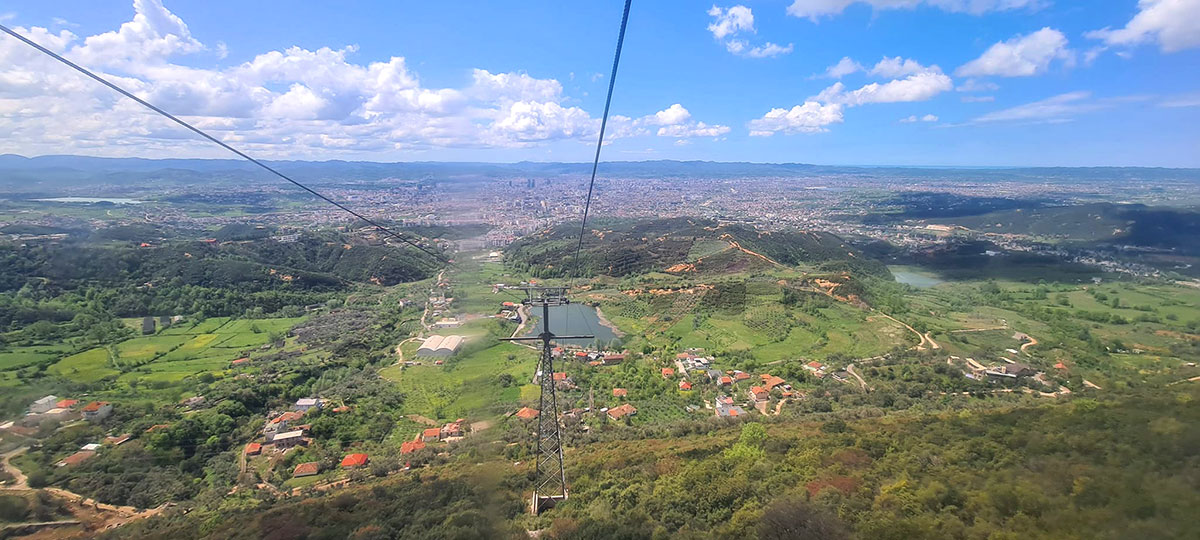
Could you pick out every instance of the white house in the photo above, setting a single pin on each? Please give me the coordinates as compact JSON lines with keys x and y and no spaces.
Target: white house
{"x":43,"y":405}
{"x":304,"y":404}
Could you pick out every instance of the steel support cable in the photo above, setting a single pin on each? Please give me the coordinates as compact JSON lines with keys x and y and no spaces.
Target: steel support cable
{"x":197,"y":131}
{"x":612,"y":80}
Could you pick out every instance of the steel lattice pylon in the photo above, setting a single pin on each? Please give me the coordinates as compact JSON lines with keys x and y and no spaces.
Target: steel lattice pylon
{"x":550,"y":484}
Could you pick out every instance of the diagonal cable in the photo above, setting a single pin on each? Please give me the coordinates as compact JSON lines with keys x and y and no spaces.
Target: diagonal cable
{"x":612,"y":80}
{"x":196,"y":130}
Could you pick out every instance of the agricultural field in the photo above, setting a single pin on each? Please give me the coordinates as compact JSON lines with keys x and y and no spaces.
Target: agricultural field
{"x":467,"y":386}
{"x":175,"y":353}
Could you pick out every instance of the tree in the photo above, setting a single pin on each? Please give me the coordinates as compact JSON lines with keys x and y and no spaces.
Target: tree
{"x":792,"y":518}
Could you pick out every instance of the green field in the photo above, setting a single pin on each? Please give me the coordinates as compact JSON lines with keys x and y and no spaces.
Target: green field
{"x":467,"y":386}
{"x":180,"y":351}
{"x":18,"y":357}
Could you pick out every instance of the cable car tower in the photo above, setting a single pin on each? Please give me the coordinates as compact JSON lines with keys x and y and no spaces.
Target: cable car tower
{"x":550,"y":485}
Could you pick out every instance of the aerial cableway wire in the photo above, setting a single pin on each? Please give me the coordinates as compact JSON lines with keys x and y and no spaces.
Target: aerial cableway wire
{"x":196,"y":130}
{"x":612,"y":80}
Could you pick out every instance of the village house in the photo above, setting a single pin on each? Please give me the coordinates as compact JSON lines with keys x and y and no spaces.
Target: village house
{"x":43,"y":405}
{"x":771,"y":382}
{"x":281,"y":423}
{"x":97,"y":411}
{"x":304,"y":404}
{"x":668,"y":373}
{"x":408,"y":447}
{"x":76,"y":458}
{"x":620,"y":392}
{"x":453,"y":430}
{"x":726,"y":380}
{"x":253,"y":449}
{"x":354,"y":461}
{"x":758,"y":393}
{"x":527,"y":414}
{"x":714,"y":375}
{"x":309,"y":468}
{"x":431,"y":435}
{"x":739,"y":376}
{"x":622,"y":411}
{"x":66,"y":403}
{"x":288,"y":439}
{"x":684,"y":385}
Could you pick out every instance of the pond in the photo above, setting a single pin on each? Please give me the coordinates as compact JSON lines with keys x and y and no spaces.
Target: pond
{"x":573,"y":320}
{"x":916,"y":277}
{"x":91,"y":200}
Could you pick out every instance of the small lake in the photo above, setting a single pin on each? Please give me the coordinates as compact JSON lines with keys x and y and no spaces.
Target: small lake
{"x":572,"y":320}
{"x":90,"y":200}
{"x":917,"y":278}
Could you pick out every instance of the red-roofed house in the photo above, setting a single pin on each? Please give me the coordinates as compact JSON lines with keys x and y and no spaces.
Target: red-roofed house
{"x":97,"y":410}
{"x":684,"y":385}
{"x":353,"y":461}
{"x":431,"y":435}
{"x":726,"y":380}
{"x":667,"y":372}
{"x":76,"y":458}
{"x":613,"y":359}
{"x":240,"y":361}
{"x":758,"y":393}
{"x":772,"y":382}
{"x":741,"y":376}
{"x":560,"y":376}
{"x":620,"y":392}
{"x":1060,"y":365}
{"x":617,"y":413}
{"x":66,"y":403}
{"x":409,"y":447}
{"x":253,"y":449}
{"x":306,"y":469}
{"x":527,"y":414}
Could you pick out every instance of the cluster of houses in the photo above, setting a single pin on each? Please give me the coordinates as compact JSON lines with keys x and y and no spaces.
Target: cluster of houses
{"x":449,"y":433}
{"x":54,"y":409}
{"x":287,"y":429}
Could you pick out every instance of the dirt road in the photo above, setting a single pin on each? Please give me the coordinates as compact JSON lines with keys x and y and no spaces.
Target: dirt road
{"x":861,"y":382}
{"x":20,"y":481}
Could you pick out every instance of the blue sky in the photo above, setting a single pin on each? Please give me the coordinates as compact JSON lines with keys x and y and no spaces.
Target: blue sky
{"x":923,"y":82}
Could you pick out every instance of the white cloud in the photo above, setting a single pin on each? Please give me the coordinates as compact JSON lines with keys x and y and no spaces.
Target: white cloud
{"x":730,"y":21}
{"x":294,"y":102}
{"x":976,"y":85}
{"x":1188,"y":100}
{"x":899,"y":67}
{"x":1020,"y":56}
{"x":844,"y":67}
{"x":917,"y":87}
{"x":1059,"y":108}
{"x":815,"y":9}
{"x":914,"y":118}
{"x":978,"y":99}
{"x":1174,"y":24}
{"x":811,"y":117}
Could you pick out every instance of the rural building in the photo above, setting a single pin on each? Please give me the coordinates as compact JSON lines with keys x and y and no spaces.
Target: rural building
{"x":354,"y":461}
{"x":306,"y":469}
{"x":612,"y":359}
{"x":431,"y":435}
{"x":66,"y":403}
{"x":622,"y":411}
{"x":620,"y":392}
{"x":740,"y":376}
{"x":304,"y":404}
{"x":726,"y":380}
{"x":448,"y":322}
{"x":772,"y":381}
{"x":527,"y":414}
{"x":194,"y":402}
{"x":91,"y":447}
{"x":288,"y":439}
{"x":758,"y":393}
{"x":43,"y":405}
{"x":730,"y":411}
{"x":668,"y":373}
{"x":440,"y":346}
{"x":96,"y":411}
{"x":147,"y":325}
{"x":408,"y":447}
{"x":453,"y":429}
{"x":76,"y":458}
{"x":684,"y":385}
{"x":253,"y":449}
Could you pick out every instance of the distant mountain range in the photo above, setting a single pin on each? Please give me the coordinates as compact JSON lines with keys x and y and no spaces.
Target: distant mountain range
{"x":52,"y":171}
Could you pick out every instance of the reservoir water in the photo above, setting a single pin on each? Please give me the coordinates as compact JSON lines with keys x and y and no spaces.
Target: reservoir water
{"x":572,"y":320}
{"x":913,"y":276}
{"x":89,"y":200}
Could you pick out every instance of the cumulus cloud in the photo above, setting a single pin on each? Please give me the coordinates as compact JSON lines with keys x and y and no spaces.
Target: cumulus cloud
{"x":292,"y":102}
{"x":811,"y":117}
{"x":728,"y":23}
{"x":1021,"y":56}
{"x":916,"y":87}
{"x":914,"y":118}
{"x":844,"y":67}
{"x":675,"y":121}
{"x":1174,"y":24}
{"x":815,"y":9}
{"x":898,"y":67}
